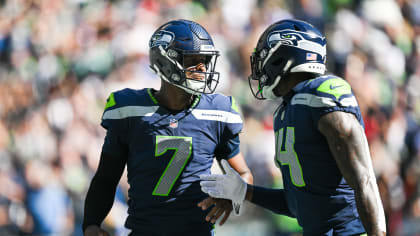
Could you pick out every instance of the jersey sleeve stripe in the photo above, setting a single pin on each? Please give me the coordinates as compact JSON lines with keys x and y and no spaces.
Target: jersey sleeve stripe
{"x":129,"y":111}
{"x":317,"y":101}
{"x":222,"y":116}
{"x":349,"y":102}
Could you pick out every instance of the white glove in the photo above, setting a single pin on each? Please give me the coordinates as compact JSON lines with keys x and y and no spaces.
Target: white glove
{"x":228,"y":186}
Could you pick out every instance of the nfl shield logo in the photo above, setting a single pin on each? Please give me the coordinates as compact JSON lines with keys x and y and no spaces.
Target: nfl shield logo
{"x":173,"y":123}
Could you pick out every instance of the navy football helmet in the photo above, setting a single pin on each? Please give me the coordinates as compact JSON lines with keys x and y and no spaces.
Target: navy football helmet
{"x":287,"y":46}
{"x":173,"y":43}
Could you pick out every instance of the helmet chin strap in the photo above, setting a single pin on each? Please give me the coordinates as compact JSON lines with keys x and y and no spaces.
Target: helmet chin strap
{"x":195,"y":85}
{"x":267,"y":91}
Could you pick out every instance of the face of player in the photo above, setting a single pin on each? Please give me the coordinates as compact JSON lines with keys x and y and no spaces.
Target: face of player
{"x":194,"y":65}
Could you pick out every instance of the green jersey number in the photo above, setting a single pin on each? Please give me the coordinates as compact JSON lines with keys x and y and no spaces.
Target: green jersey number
{"x":183,"y":148}
{"x":289,"y":156}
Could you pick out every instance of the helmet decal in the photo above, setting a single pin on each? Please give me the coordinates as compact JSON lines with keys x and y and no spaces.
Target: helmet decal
{"x":296,"y":39}
{"x":161,"y":37}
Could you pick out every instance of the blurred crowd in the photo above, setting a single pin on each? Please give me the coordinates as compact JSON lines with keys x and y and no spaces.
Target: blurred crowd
{"x":60,"y":59}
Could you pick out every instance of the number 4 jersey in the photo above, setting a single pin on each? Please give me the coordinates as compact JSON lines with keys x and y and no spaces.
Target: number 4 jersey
{"x":316,"y":191}
{"x":166,"y":153}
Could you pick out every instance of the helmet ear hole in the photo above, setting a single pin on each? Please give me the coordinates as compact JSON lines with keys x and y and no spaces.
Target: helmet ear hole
{"x":160,"y":64}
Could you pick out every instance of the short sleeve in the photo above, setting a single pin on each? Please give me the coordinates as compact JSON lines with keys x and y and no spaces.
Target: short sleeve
{"x":228,"y":148}
{"x":234,"y":125}
{"x":331,"y":95}
{"x":229,"y":145}
{"x":110,"y":107}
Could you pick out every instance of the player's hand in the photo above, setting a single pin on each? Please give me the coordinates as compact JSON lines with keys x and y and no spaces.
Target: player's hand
{"x":228,"y":186}
{"x":220,"y":206}
{"x":94,"y":230}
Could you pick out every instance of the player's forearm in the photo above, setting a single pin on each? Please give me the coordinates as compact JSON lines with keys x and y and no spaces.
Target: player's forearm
{"x":99,"y":200}
{"x":370,"y":208}
{"x":239,"y":165}
{"x":101,"y":193}
{"x":271,"y":199}
{"x":368,"y":200}
{"x":348,"y":145}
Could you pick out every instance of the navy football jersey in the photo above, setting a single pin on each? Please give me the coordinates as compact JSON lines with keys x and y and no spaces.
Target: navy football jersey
{"x":316,"y":191}
{"x":166,"y":153}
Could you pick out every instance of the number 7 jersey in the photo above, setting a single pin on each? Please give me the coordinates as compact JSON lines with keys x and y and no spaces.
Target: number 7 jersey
{"x":167,"y":152}
{"x":316,"y":191}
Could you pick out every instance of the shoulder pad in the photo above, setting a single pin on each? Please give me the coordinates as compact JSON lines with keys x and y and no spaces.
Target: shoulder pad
{"x":226,"y":103}
{"x":334,"y":86}
{"x":325,"y":91}
{"x":122,"y":98}
{"x":110,"y":101}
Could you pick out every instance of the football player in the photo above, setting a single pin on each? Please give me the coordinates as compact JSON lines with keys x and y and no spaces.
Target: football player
{"x":321,"y":148}
{"x":167,"y":139}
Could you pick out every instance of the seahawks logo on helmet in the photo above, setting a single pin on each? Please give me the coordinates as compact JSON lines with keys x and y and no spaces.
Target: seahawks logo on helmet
{"x":297,"y":39}
{"x":163,"y":38}
{"x":286,"y":38}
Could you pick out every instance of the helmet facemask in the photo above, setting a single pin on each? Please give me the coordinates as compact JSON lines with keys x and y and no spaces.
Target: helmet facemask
{"x":264,"y":79}
{"x":176,"y":72}
{"x":182,"y":53}
{"x":198,"y":71}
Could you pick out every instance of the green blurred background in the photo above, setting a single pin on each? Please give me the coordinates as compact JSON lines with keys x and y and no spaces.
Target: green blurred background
{"x":60,"y":59}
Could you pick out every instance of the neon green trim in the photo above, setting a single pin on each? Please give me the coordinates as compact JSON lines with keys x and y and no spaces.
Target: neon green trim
{"x":276,"y":160}
{"x":170,"y":162}
{"x":110,"y":102}
{"x":234,"y":105}
{"x":164,"y":172}
{"x":337,"y":87}
{"x":196,"y":100}
{"x":259,"y":88}
{"x":363,"y":234}
{"x":149,"y":91}
{"x":289,"y":150}
{"x":297,"y":158}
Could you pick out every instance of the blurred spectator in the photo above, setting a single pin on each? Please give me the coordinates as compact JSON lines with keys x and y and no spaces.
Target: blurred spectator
{"x":60,"y":59}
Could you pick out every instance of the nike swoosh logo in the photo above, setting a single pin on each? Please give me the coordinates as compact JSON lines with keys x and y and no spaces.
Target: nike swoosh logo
{"x":334,"y":87}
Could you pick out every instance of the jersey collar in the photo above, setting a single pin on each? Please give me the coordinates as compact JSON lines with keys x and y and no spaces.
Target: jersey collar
{"x":300,"y":85}
{"x":149,"y":91}
{"x":195,"y":102}
{"x":193,"y":105}
{"x":291,"y":93}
